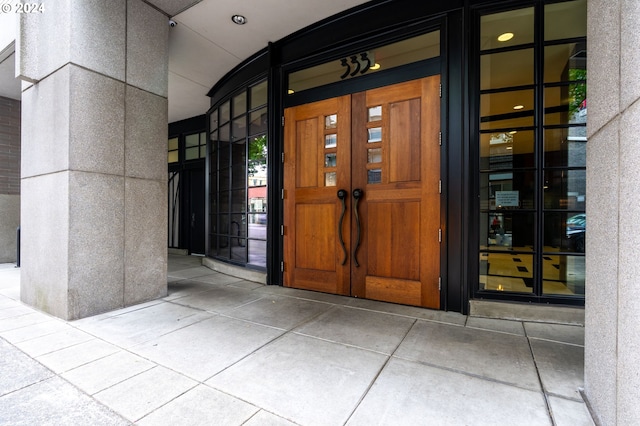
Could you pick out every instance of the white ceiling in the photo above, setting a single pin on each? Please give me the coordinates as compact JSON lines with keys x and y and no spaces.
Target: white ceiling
{"x":206,"y":44}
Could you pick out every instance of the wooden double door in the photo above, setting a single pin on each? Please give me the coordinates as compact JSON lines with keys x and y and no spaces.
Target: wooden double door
{"x":362,"y":194}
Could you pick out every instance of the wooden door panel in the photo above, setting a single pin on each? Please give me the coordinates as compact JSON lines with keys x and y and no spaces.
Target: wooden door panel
{"x":307,"y":156}
{"x":394,"y":250}
{"x":316,"y":236}
{"x":404,"y":132}
{"x":394,"y":290}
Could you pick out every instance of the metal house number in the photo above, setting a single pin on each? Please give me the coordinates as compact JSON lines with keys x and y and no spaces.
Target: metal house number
{"x":357,"y":64}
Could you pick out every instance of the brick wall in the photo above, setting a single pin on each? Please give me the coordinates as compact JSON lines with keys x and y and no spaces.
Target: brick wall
{"x":9,"y":146}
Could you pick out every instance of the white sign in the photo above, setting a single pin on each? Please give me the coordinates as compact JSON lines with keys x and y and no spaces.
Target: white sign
{"x":507,"y":198}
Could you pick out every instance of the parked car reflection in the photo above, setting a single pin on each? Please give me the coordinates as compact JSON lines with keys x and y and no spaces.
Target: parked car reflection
{"x":576,"y":229}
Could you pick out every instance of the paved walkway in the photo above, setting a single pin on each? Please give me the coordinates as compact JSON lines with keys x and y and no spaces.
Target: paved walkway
{"x":222,"y":351}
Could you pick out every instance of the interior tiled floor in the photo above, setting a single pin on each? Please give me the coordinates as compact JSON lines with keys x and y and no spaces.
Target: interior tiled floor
{"x":513,"y":272}
{"x":219,"y":350}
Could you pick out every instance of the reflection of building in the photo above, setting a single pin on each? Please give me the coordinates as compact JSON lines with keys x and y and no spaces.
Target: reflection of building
{"x":92,"y":130}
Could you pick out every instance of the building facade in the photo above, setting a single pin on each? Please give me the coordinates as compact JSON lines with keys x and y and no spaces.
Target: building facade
{"x":434,"y":154}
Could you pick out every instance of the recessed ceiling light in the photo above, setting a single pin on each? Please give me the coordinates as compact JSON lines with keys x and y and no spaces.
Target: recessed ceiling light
{"x":290,"y":92}
{"x":505,"y":37}
{"x":518,"y":107}
{"x":509,"y":147}
{"x":239,"y":19}
{"x":513,"y":132}
{"x":375,"y":66}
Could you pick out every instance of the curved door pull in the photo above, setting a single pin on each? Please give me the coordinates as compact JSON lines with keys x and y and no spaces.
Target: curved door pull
{"x":357,"y":194}
{"x":342,"y":195}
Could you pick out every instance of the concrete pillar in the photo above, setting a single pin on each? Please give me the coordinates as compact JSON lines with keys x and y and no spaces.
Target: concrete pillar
{"x":94,"y":141}
{"x":612,"y":317}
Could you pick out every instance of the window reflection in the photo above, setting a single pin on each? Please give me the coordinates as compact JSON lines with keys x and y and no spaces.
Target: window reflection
{"x":238,"y":178}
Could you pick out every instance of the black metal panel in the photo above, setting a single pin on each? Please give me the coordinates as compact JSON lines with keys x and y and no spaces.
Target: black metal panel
{"x":275,"y":171}
{"x":456,"y":172}
{"x":190,"y":125}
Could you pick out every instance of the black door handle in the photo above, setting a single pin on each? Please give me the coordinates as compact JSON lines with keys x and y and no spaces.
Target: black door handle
{"x":342,"y":195}
{"x":357,"y":194}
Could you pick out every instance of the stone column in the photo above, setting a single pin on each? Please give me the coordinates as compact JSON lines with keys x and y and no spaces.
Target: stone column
{"x":612,"y":316}
{"x":94,"y":142}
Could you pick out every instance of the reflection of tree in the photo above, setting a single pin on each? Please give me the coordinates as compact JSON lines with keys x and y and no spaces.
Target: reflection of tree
{"x":257,"y":154}
{"x":578,"y":90}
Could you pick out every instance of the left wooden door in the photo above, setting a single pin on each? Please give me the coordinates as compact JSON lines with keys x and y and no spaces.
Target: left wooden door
{"x":316,"y":167}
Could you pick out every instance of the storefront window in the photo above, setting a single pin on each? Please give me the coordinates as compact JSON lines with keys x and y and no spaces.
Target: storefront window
{"x":532,"y":136}
{"x":238,"y":178}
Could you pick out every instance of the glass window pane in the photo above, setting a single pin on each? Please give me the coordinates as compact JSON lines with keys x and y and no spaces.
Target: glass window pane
{"x":507,"y":150}
{"x":330,"y":160}
{"x":563,"y":275}
{"x":507,"y":230}
{"x":225,"y":112}
{"x":224,"y":179}
{"x":564,"y":231}
{"x":331,"y":141}
{"x":222,"y":242}
{"x":565,"y":147}
{"x":375,"y":113}
{"x":506,"y":110}
{"x":258,"y":161}
{"x":224,"y":206}
{"x":239,"y":104}
{"x":192,"y":140}
{"x":566,"y":104}
{"x":374,"y":176}
{"x":506,"y":29}
{"x":258,"y":253}
{"x":192,"y":153}
{"x":225,"y":133}
{"x":173,"y":144}
{"x":258,"y":121}
{"x":331,"y":121}
{"x":239,"y":200}
{"x":203,"y":151}
{"x":565,"y":62}
{"x":374,"y":155}
{"x":258,"y":226}
{"x":508,"y":190}
{"x":375,"y":135}
{"x":506,"y":272}
{"x":565,"y":20}
{"x":258,"y":94}
{"x":506,"y":69}
{"x":173,"y":157}
{"x":240,"y":128}
{"x":330,"y":179}
{"x":213,"y":120}
{"x":381,"y":58}
{"x":565,"y":189}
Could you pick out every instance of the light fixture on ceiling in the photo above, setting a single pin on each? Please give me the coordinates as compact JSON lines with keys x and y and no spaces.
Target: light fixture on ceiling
{"x":517,"y":107}
{"x":290,"y":92}
{"x":239,"y":19}
{"x":513,"y":132}
{"x":505,"y":37}
{"x":375,"y":66}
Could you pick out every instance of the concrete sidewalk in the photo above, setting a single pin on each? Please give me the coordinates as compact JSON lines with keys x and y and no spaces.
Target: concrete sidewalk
{"x":222,"y":351}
